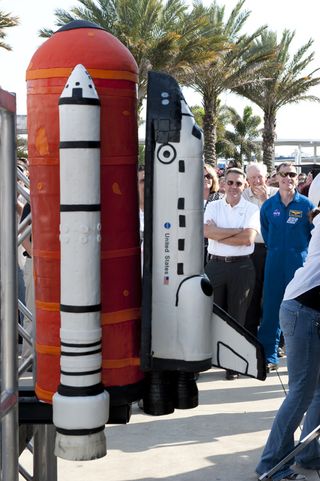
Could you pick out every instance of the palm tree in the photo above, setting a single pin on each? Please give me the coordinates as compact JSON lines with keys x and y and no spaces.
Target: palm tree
{"x":237,"y":63}
{"x":242,"y":138}
{"x":161,"y":36}
{"x":6,"y":21}
{"x":285,"y":83}
{"x":224,"y":147}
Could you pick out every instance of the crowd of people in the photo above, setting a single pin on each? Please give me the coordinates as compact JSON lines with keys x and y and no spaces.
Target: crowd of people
{"x":263,"y":263}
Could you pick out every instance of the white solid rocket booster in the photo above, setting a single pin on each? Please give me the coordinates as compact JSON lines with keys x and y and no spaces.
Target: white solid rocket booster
{"x":81,"y":405}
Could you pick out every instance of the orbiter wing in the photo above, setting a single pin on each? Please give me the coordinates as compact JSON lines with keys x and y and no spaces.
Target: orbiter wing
{"x":235,"y":348}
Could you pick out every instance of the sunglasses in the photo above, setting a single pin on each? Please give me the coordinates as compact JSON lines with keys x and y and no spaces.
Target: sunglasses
{"x":292,"y":175}
{"x":237,"y":183}
{"x":208,"y":176}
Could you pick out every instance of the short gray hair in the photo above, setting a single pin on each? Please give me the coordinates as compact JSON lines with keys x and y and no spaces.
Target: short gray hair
{"x":235,"y":170}
{"x":259,"y":166}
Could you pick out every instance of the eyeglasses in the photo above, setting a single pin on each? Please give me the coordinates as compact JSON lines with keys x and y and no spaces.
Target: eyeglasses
{"x":236,"y":182}
{"x":292,"y":175}
{"x":208,"y":177}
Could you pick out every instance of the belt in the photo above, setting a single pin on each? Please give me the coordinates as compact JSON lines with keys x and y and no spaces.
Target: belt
{"x":227,"y":258}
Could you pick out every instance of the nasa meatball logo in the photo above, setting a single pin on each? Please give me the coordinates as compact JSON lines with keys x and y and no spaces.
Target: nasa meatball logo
{"x":276,"y":213}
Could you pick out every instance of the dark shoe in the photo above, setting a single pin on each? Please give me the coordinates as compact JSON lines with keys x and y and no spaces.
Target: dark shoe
{"x":231,"y":375}
{"x":314,"y":466}
{"x":270,"y":366}
{"x":294,"y":477}
{"x":291,"y":476}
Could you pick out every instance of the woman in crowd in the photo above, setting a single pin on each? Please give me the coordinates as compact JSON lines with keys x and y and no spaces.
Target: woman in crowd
{"x":306,"y":186}
{"x":210,"y":184}
{"x":210,"y":193}
{"x":300,"y":323}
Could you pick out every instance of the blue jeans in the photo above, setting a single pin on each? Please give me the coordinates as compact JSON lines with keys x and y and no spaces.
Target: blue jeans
{"x":301,"y":330}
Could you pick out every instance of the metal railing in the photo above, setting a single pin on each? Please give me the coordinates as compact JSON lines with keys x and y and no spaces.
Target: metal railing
{"x":8,"y":282}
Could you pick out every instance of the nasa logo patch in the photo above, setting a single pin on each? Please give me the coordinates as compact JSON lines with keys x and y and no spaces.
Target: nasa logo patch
{"x":276,"y":213}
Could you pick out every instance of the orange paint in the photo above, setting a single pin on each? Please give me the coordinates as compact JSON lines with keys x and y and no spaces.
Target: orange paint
{"x":42,"y":142}
{"x":65,"y":73}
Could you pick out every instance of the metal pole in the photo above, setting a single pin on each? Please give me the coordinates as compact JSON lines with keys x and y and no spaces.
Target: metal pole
{"x":299,"y":447}
{"x":24,"y":235}
{"x":23,"y":192}
{"x":7,"y":401}
{"x":299,"y":155}
{"x":25,"y":311}
{"x":26,"y":221}
{"x":44,"y":460}
{"x":8,"y":274}
{"x":23,"y":178}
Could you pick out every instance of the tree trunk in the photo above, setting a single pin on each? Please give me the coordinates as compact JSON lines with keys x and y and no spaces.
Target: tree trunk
{"x":210,"y":129}
{"x":239,"y":157}
{"x":268,"y":138}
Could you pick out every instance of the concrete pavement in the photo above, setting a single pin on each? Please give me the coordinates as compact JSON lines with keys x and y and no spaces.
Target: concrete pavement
{"x":220,"y":440}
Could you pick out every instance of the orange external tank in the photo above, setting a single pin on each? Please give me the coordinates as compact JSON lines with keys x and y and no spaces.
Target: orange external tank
{"x":114,"y":72}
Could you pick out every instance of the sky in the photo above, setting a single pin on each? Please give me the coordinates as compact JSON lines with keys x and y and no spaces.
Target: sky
{"x":294,"y":121}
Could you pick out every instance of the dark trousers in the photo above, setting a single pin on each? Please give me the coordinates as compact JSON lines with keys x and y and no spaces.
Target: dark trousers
{"x":232,"y":284}
{"x":254,"y":313}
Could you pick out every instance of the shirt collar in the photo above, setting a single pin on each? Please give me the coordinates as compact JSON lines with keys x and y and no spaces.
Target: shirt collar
{"x":250,"y":192}
{"x":239,"y":204}
{"x":296,"y":197}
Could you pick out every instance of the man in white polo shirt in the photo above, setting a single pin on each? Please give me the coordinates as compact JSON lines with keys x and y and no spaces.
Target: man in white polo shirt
{"x":231,"y":225}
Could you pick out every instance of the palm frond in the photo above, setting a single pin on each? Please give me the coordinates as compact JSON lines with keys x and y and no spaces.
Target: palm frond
{"x":7,"y":20}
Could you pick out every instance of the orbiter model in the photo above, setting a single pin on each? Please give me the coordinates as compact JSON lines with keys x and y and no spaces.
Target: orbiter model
{"x":183,"y":331}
